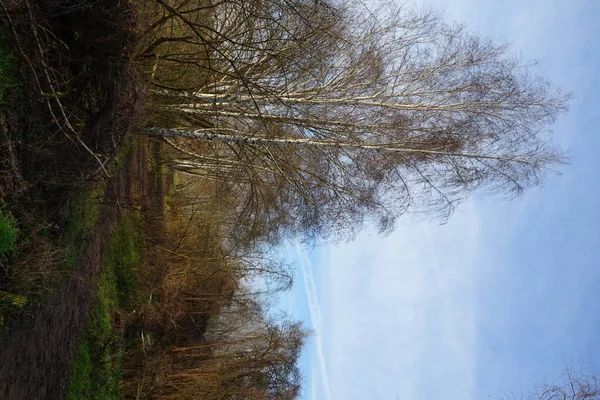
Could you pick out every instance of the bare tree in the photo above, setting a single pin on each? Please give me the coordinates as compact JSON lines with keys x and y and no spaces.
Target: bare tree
{"x":321,"y":116}
{"x":255,"y":360}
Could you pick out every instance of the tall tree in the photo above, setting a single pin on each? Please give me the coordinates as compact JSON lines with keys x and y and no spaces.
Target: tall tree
{"x":321,"y":116}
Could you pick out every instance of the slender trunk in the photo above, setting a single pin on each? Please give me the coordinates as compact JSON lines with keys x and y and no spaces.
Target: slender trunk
{"x":211,"y":135}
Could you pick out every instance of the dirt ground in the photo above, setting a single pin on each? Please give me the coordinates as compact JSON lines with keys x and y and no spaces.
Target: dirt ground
{"x":37,"y":353}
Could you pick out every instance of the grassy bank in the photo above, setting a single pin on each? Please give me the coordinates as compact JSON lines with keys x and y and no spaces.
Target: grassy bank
{"x":97,"y":369}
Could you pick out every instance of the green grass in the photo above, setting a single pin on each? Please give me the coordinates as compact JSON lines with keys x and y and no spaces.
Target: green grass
{"x":8,"y":233}
{"x":86,"y":206}
{"x":96,"y":372}
{"x":30,"y":282}
{"x":84,"y":212}
{"x":125,"y":256}
{"x":124,"y":155}
{"x":97,"y":369}
{"x":10,"y":304}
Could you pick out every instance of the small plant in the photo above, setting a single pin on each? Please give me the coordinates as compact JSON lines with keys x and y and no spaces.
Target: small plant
{"x":10,"y":304}
{"x":8,"y":233}
{"x":13,"y":300}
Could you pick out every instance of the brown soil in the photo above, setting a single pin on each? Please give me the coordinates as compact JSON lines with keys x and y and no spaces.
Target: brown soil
{"x":37,"y":354}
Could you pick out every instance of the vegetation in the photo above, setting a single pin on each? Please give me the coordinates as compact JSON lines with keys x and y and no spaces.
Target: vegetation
{"x":97,"y":370}
{"x":10,"y":303}
{"x":83,"y":215}
{"x":8,"y":233}
{"x":49,"y":119}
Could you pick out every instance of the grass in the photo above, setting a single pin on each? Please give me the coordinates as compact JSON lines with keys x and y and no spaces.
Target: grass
{"x":8,"y":233}
{"x":84,"y":213}
{"x":10,"y":303}
{"x":125,"y":256}
{"x":86,"y":207}
{"x":124,"y":155}
{"x":8,"y":230}
{"x":97,"y":370}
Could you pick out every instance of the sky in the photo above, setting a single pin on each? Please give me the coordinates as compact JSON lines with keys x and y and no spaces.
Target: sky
{"x":503,"y":296}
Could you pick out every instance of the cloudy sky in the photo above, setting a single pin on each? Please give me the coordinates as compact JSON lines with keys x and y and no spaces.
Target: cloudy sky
{"x":502,"y":296}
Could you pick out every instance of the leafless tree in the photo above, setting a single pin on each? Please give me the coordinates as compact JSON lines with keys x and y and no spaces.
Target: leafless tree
{"x":256,"y":360}
{"x":574,"y":384}
{"x":322,"y":116}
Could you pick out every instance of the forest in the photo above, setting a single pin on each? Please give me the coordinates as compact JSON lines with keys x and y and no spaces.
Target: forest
{"x":155,"y":154}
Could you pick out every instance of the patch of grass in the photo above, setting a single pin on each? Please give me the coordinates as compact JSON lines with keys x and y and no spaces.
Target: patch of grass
{"x":84,"y":212}
{"x":125,"y":256}
{"x":124,"y":155}
{"x":97,"y":370}
{"x":8,"y":233}
{"x":86,"y":207}
{"x":34,"y":262}
{"x":10,"y":304}
{"x":79,"y":382}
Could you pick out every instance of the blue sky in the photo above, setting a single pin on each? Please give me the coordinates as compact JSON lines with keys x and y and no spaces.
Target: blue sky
{"x":502,"y":296}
